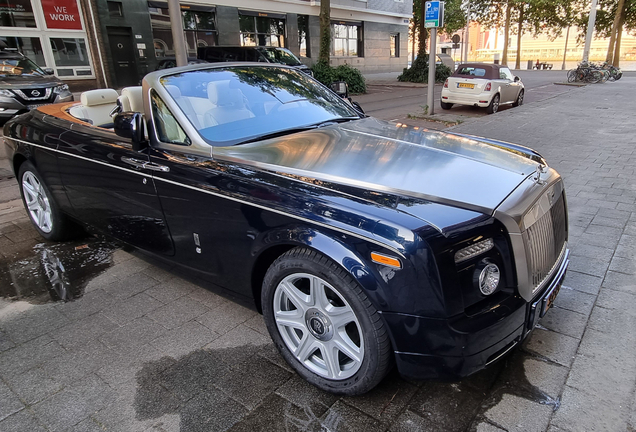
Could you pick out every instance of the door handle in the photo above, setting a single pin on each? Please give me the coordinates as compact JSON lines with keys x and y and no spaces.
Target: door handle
{"x":156,"y":167}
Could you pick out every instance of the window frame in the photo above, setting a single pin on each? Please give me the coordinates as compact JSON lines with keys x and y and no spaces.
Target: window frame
{"x":359,"y":38}
{"x":153,"y":94}
{"x":281,"y":43}
{"x":394,"y":45}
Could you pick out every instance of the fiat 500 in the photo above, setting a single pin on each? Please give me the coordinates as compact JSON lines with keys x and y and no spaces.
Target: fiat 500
{"x":365,"y":244}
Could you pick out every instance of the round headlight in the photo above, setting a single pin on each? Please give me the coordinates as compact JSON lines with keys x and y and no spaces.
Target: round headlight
{"x":489,"y":279}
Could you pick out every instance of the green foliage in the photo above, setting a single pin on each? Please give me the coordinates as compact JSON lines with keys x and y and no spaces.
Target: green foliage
{"x":352,"y":76}
{"x":418,"y":72}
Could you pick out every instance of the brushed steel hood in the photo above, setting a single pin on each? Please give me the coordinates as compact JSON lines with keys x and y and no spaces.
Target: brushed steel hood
{"x":409,"y":161}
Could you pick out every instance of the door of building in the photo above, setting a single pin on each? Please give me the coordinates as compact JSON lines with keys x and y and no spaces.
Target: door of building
{"x":123,"y":54}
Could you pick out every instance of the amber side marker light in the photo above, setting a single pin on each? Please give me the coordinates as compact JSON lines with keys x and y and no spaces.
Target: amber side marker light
{"x":386,"y":260}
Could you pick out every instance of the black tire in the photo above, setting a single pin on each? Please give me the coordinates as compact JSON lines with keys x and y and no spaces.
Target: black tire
{"x":571,"y":75}
{"x":375,"y":347}
{"x":446,"y":105}
{"x":519,"y":100}
{"x":494,"y":105}
{"x":59,"y":226}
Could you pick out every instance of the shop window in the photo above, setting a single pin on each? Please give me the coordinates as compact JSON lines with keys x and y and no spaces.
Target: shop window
{"x":395,"y":45}
{"x":262,"y":31}
{"x":347,"y":40}
{"x":16,"y":13}
{"x":115,"y":9}
{"x":303,"y":35}
{"x":29,"y":46}
{"x":69,"y":51}
{"x":199,"y":30}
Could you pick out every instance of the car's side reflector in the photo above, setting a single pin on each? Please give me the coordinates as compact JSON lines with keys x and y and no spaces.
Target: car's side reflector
{"x":386,"y":260}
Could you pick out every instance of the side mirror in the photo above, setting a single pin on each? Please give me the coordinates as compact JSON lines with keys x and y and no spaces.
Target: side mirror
{"x":517,"y":79}
{"x":48,"y":71}
{"x":131,"y":125}
{"x":340,"y":88}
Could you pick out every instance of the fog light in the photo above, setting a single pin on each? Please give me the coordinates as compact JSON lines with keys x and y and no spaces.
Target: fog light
{"x":488,"y":277}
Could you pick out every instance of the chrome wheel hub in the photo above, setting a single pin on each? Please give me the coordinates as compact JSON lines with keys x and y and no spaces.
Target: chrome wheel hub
{"x":318,"y":326}
{"x":37,"y":202}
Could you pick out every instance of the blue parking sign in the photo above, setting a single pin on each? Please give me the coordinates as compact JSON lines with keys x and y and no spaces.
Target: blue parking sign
{"x":434,"y":14}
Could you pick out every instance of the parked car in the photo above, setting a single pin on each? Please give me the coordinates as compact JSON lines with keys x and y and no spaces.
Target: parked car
{"x":482,"y":85}
{"x":265,"y":54}
{"x":170,"y":62}
{"x":364,"y":243}
{"x":24,"y":85}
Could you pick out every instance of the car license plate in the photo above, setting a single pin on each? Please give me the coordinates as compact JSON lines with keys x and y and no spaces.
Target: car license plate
{"x":30,"y":107}
{"x":465,"y":85}
{"x":548,"y":300}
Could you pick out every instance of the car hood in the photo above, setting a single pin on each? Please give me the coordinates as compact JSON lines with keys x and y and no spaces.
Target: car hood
{"x":460,"y":170}
{"x":8,"y":81}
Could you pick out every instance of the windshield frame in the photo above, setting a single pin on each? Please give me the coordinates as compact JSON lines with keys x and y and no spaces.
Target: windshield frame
{"x":36,"y":70}
{"x":161,"y":81}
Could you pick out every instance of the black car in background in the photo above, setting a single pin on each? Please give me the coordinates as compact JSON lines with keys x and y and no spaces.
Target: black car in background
{"x":264,"y":54}
{"x":24,"y":85}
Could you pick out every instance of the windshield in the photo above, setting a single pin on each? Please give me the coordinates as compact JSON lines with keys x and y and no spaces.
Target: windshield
{"x":22,"y":66}
{"x":280,"y":55}
{"x":232,"y":105}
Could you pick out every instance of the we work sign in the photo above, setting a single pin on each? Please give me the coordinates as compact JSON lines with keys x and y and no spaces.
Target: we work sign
{"x":62,"y":14}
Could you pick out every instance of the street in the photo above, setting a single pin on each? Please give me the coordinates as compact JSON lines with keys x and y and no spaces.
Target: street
{"x":146,"y":347}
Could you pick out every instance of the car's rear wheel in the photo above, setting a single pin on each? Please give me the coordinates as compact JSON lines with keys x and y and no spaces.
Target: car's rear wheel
{"x":323,"y":324}
{"x":43,"y":211}
{"x":519,"y":100}
{"x":446,"y":105}
{"x":494,"y":105}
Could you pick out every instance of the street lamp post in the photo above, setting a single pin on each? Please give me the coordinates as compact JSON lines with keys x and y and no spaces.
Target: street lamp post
{"x":178,"y":40}
{"x":590,"y":31}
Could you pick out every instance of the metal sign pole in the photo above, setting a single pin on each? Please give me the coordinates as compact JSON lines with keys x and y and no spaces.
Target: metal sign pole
{"x":430,"y":91}
{"x":590,"y":31}
{"x":178,"y":40}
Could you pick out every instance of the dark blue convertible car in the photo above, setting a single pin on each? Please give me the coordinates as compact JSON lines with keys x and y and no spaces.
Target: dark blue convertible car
{"x":365,"y":244}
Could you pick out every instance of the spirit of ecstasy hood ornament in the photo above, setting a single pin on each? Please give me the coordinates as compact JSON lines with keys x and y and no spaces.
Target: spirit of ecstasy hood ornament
{"x":541,"y":169}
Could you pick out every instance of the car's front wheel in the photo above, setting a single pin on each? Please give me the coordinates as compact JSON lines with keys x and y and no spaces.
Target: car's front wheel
{"x":519,"y":100}
{"x":323,"y":324}
{"x":43,"y":211}
{"x":446,"y":105}
{"x":494,"y":105}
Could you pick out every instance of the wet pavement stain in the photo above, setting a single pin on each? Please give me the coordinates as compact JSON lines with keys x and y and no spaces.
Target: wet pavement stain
{"x":46,"y":272}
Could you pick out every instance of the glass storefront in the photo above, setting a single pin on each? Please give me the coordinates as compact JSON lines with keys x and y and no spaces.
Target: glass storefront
{"x":262,"y":29}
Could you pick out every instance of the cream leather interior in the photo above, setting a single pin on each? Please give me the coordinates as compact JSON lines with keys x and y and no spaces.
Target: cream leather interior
{"x":96,"y":106}
{"x":131,"y":100}
{"x":229,"y":104}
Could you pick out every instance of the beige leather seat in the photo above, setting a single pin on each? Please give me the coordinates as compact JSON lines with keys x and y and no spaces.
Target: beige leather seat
{"x":131,"y":99}
{"x":229,"y":105}
{"x":185,"y":104}
{"x":96,"y":107}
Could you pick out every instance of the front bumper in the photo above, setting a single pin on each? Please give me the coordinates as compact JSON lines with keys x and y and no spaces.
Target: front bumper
{"x":427,"y":348}
{"x":467,"y":99}
{"x":10,"y":106}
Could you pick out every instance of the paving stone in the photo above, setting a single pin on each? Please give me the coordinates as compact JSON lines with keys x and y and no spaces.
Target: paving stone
{"x":623,"y":265}
{"x":207,"y":298}
{"x":487,"y":427}
{"x":565,"y":322}
{"x":72,"y":405}
{"x":582,"y":282}
{"x":585,"y":250}
{"x":609,"y":222}
{"x":9,"y":402}
{"x":5,"y":342}
{"x":121,"y":414}
{"x":133,"y":334}
{"x":183,"y":340}
{"x":33,"y":385}
{"x":129,"y":286}
{"x":178,"y":312}
{"x":386,"y":401}
{"x":29,"y":355}
{"x":408,"y":421}
{"x":614,"y":299}
{"x":575,"y":301}
{"x":34,"y":323}
{"x":554,"y":346}
{"x":580,"y":413}
{"x":129,"y":309}
{"x":343,"y":417}
{"x":602,"y":376}
{"x":518,"y":414}
{"x":306,"y":396}
{"x":21,"y":421}
{"x":257,"y":322}
{"x":249,"y":341}
{"x":589,"y":266}
{"x":265,"y":378}
{"x":84,"y":330}
{"x":620,"y":281}
{"x":126,"y":364}
{"x":79,"y":362}
{"x":171,"y":289}
{"x":226,"y":317}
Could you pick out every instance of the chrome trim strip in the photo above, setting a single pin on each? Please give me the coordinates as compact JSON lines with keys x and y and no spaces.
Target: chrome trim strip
{"x":353,"y":234}
{"x":47,"y":94}
{"x":503,"y":353}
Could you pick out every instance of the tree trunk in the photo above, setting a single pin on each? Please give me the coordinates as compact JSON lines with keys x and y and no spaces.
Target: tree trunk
{"x":519,"y":34}
{"x":423,"y":32}
{"x":504,"y":57}
{"x":617,"y":48}
{"x":325,"y":31}
{"x":617,"y":22}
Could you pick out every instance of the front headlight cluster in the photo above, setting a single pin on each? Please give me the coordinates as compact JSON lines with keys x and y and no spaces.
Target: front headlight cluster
{"x":473,"y":250}
{"x":63,"y":88}
{"x":486,"y":275}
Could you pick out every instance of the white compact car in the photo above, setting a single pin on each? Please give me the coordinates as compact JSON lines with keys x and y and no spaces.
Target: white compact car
{"x":482,"y":85}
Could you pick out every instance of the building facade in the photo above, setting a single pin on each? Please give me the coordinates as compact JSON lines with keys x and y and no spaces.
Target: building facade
{"x":114,"y":43}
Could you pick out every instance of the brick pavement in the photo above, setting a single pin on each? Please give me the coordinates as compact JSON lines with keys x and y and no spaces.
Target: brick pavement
{"x":146,"y":349}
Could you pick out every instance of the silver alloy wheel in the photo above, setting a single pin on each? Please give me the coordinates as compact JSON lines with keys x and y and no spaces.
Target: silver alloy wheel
{"x":37,"y":202}
{"x":318,"y":326}
{"x":520,"y":98}
{"x":495,"y":104}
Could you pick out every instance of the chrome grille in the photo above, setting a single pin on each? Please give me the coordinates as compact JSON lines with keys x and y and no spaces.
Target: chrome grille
{"x":545,"y":240}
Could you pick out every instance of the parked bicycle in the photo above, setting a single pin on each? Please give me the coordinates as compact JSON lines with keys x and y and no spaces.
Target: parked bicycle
{"x":589,"y":73}
{"x":614,"y":73}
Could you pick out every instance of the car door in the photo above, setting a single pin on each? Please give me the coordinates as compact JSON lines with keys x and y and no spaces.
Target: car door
{"x":508,"y":85}
{"x":110,"y":187}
